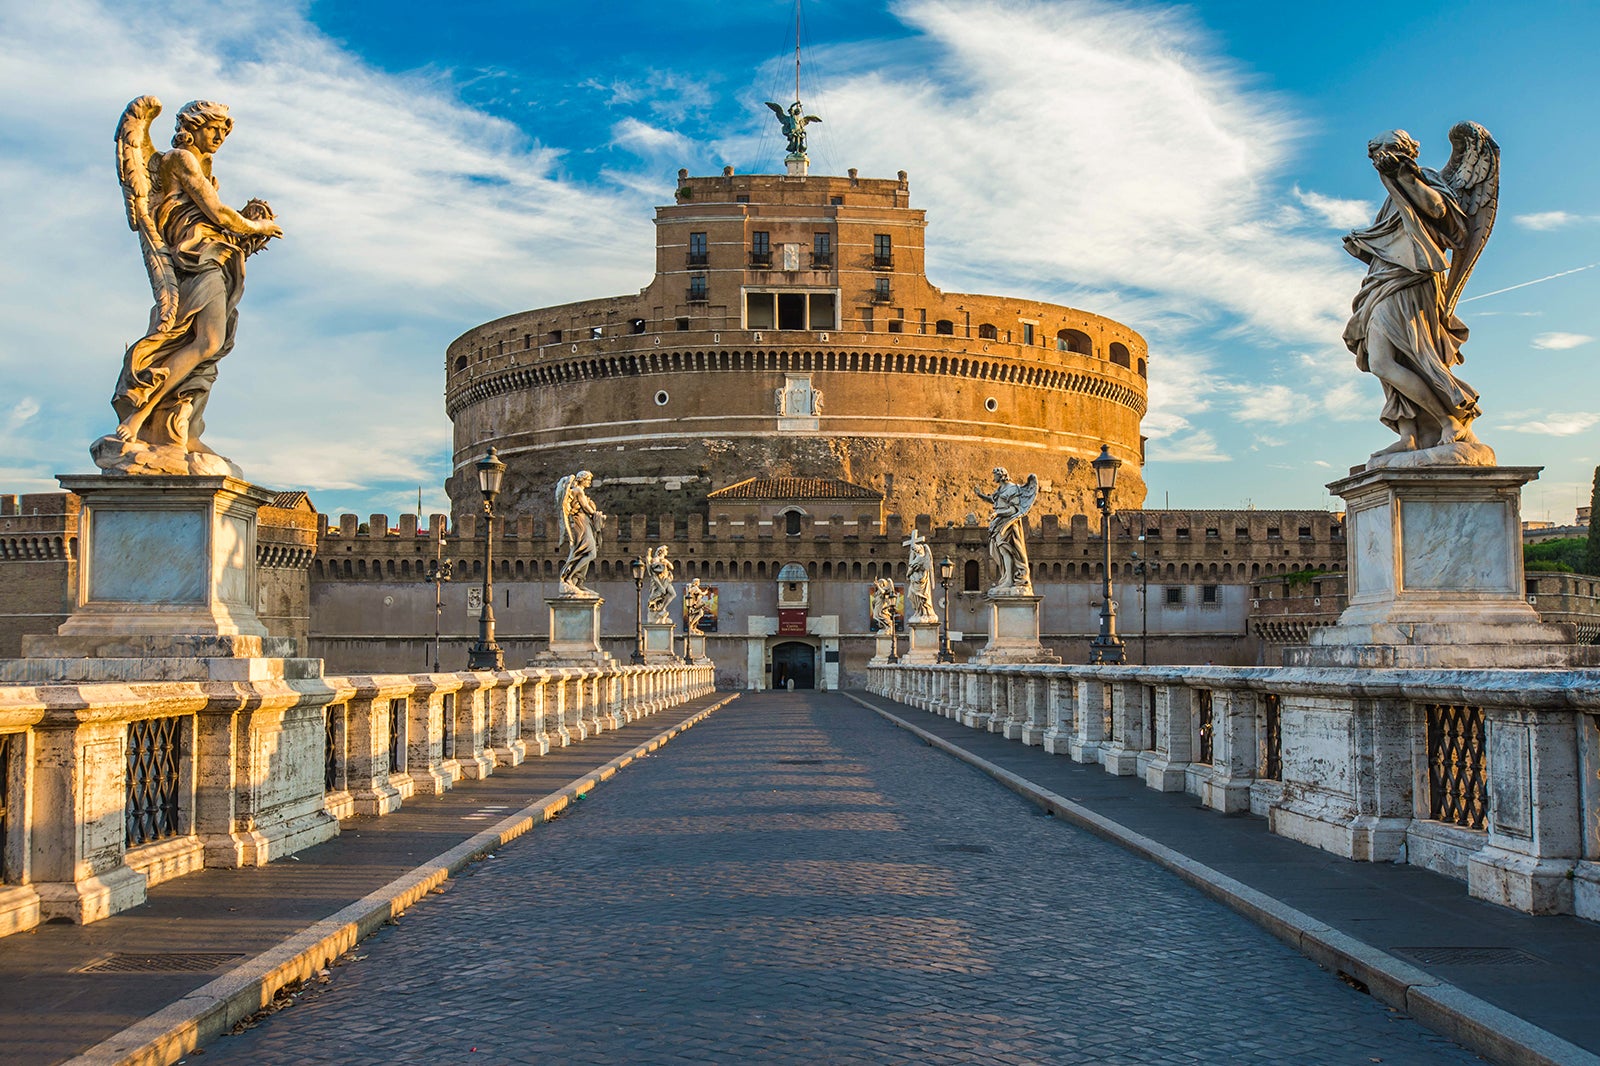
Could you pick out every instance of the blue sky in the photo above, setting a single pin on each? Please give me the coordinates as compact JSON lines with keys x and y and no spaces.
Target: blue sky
{"x":1188,"y":170}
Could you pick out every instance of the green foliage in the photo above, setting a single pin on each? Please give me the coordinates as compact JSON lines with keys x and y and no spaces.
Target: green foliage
{"x":1568,"y":555}
{"x":1303,"y":577}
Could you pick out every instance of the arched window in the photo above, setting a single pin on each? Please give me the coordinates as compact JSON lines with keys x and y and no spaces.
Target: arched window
{"x":461,"y":362}
{"x":971,"y":576}
{"x":1142,"y":371}
{"x":987,"y":332}
{"x":791,"y":523}
{"x":1119,"y":354}
{"x":944,"y":327}
{"x":1074,"y":340}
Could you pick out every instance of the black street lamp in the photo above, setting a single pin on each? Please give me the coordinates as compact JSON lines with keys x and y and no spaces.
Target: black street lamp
{"x":894,"y":629}
{"x":438,"y":573}
{"x":638,"y":613}
{"x":1142,"y":568}
{"x":946,"y":570}
{"x":486,"y":654}
{"x":1106,"y":648}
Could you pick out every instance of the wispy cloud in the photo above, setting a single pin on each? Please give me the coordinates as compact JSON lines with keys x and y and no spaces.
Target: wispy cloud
{"x":1549,"y":220}
{"x":1339,"y":214}
{"x":1557,"y":425}
{"x":1560,"y":342}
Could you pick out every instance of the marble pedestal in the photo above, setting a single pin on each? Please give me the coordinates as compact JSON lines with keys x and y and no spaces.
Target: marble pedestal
{"x":1435,"y":576}
{"x":1014,"y":632}
{"x":659,"y":645}
{"x":694,"y":648}
{"x":574,"y":633}
{"x":922,"y":643}
{"x":888,"y":647}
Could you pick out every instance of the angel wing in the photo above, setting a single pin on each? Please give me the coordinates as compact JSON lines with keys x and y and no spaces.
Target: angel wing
{"x":779,"y":110}
{"x":1030,"y":492}
{"x":137,"y":166}
{"x":1473,"y":174}
{"x":563,"y":494}
{"x":812,"y":118}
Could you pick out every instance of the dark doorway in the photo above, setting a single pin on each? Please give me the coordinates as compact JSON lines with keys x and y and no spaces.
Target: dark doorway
{"x":794,"y":661}
{"x":792,"y":315}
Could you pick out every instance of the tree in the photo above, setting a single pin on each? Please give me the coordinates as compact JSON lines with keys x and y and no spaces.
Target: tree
{"x":1591,"y":562}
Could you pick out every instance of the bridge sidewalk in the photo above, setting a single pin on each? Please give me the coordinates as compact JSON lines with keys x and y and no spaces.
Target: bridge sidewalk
{"x":1513,"y":987}
{"x":282,"y":922}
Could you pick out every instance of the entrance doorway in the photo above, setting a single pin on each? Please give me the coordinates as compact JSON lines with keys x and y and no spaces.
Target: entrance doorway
{"x":794,"y":661}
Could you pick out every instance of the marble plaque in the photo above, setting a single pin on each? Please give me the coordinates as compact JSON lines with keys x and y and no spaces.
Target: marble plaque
{"x":1510,"y":778}
{"x":1456,"y":544}
{"x":233,"y":560}
{"x":1373,"y":553}
{"x":140,"y":556}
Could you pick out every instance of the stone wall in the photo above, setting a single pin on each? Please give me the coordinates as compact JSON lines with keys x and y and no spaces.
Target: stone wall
{"x":38,"y":565}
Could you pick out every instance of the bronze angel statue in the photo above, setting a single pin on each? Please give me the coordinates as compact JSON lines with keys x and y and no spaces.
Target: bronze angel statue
{"x":1419,"y":252}
{"x":194,"y":249}
{"x":794,"y":122}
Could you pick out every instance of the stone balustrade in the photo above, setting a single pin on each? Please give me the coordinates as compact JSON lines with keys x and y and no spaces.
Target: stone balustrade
{"x":108,"y":789}
{"x":1488,"y":776}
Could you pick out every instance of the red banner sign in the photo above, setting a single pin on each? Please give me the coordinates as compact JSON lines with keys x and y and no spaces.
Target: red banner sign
{"x":792,"y":620}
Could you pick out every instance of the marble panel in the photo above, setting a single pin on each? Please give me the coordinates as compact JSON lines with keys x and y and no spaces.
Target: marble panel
{"x":233,"y":560}
{"x":1511,"y":778}
{"x":148,"y":556}
{"x":1372,"y":553}
{"x":1457,"y":545}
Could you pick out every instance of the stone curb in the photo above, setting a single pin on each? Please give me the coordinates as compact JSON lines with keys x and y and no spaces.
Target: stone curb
{"x":213,"y":1009}
{"x":1473,"y":1023}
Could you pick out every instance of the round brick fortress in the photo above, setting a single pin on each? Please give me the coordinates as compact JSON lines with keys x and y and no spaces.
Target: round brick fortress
{"x":790,"y":332}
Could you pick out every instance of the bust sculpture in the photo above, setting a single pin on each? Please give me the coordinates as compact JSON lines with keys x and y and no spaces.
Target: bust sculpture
{"x":194,"y":249}
{"x":1419,"y":252}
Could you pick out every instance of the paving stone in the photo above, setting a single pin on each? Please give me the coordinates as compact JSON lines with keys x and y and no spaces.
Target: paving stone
{"x":722,"y":902}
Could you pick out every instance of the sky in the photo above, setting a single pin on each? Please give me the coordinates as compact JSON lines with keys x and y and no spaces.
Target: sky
{"x":1186,"y":169}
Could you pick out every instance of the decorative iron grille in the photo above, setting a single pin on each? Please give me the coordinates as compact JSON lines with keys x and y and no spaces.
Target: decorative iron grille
{"x":1272,"y":749}
{"x":331,"y":735}
{"x":154,"y":758}
{"x":448,"y":725}
{"x":397,"y":748}
{"x":5,"y":800}
{"x":1457,"y":789}
{"x":1203,"y":721}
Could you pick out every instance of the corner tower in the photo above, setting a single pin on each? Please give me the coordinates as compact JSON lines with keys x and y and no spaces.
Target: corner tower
{"x":790,"y":331}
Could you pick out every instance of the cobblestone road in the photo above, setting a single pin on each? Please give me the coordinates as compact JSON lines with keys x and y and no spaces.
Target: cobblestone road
{"x":796,"y":881}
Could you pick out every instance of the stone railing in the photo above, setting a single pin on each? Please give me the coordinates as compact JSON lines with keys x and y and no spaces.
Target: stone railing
{"x":107,"y":789}
{"x":1488,"y":776}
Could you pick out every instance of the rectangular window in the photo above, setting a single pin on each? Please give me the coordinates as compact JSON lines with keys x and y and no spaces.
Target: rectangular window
{"x":1027,"y":333}
{"x":824,"y":315}
{"x":1213,"y":533}
{"x":880,"y":291}
{"x":1274,"y":533}
{"x":758,"y":313}
{"x":822,"y":251}
{"x":760,"y":247}
{"x":1305,"y":533}
{"x":742,"y":198}
{"x":697,"y":249}
{"x":1241,"y":533}
{"x":791,"y":310}
{"x":1174,"y":595}
{"x":882,"y":250}
{"x":697,"y":288}
{"x":1209,"y":594}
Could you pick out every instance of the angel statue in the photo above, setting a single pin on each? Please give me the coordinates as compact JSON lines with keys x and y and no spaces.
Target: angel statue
{"x":194,"y":249}
{"x":919,"y":580}
{"x":794,"y":122}
{"x":1419,"y":252}
{"x":694,"y":606}
{"x":1007,"y":546}
{"x":880,"y":603}
{"x":581,"y":523}
{"x":661,"y":591}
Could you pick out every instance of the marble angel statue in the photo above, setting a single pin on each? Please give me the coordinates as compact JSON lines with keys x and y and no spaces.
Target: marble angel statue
{"x":919,"y":580}
{"x":1007,"y":532}
{"x":694,"y":606}
{"x":880,"y":604}
{"x":661,"y":591}
{"x":581,"y":523}
{"x":194,"y":249}
{"x":1419,"y":252}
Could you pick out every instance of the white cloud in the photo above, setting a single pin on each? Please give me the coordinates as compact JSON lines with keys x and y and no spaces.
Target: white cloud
{"x":1557,"y":425}
{"x":1339,"y":214}
{"x":645,"y":139}
{"x":1549,"y":220}
{"x":1274,"y":404}
{"x":1560,"y":342}
{"x":1195,"y":446}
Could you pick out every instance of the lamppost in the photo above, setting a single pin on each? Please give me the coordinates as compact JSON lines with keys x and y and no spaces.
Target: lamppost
{"x":438,"y":573}
{"x":638,"y":612}
{"x":1142,"y":568}
{"x":894,"y":628}
{"x":946,"y":569}
{"x":486,"y":654}
{"x":1106,"y":648}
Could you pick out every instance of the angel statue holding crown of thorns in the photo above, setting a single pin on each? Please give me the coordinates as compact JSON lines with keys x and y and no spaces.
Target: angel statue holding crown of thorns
{"x":1419,"y":252}
{"x":194,"y":249}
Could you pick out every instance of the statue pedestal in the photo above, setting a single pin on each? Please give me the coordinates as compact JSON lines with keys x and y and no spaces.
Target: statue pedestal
{"x":887,"y":645}
{"x":1014,"y":632}
{"x":659,"y":645}
{"x":694,"y":648}
{"x":1435,"y":576}
{"x":923,"y":643}
{"x":574,"y":633}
